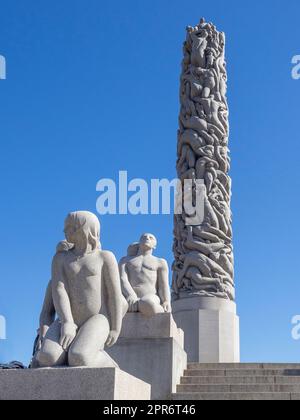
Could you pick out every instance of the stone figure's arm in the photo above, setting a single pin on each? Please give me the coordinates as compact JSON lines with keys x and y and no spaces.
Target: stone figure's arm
{"x":127,"y":289}
{"x":112,"y":282}
{"x":163,"y":285}
{"x":62,"y":302}
{"x":47,"y":316}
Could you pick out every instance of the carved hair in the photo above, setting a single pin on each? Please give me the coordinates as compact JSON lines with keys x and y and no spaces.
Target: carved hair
{"x":88,"y":224}
{"x":64,"y":246}
{"x":133,"y":249}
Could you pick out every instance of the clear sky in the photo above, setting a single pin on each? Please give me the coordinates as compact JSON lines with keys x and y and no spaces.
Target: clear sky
{"x":92,"y":89}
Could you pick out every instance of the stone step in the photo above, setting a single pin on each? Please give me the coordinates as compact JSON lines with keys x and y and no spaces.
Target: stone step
{"x":243,"y":381}
{"x":235,"y":396}
{"x":253,"y":366}
{"x":239,"y":380}
{"x":238,"y":388}
{"x":242,"y":372}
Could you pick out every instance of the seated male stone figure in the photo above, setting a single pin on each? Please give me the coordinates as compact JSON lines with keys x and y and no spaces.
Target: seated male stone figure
{"x":85,"y":293}
{"x":145,"y":279}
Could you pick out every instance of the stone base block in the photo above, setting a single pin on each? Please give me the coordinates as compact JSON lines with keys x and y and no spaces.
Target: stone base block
{"x":72,"y":384}
{"x":211,"y":329}
{"x":152,"y":350}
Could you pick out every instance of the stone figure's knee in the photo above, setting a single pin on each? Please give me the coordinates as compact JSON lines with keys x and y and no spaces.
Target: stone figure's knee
{"x":46,"y":359}
{"x":148,"y":308}
{"x":78,"y":358}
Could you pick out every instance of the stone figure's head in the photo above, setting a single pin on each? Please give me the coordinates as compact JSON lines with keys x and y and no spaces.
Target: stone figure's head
{"x":133,"y":249}
{"x":148,"y":241}
{"x":83,"y":225}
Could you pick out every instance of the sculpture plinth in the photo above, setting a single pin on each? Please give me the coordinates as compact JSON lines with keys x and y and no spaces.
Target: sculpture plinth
{"x":203,"y":273}
{"x":72,"y":384}
{"x":151,"y":349}
{"x":211,"y":329}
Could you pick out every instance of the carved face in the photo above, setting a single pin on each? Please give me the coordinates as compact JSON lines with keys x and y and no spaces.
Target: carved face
{"x":69,"y":230}
{"x":148,"y":241}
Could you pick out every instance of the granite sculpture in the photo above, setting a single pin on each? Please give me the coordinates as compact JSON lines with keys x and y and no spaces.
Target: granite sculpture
{"x":85,"y":295}
{"x":203,"y":253}
{"x":145,"y":278}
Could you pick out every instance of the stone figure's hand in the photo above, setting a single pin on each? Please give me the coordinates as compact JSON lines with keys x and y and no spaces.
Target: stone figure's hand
{"x":42,"y":331}
{"x":132,"y":301}
{"x":39,"y":341}
{"x":68,"y":333}
{"x":112,"y":338}
{"x":167,"y":307}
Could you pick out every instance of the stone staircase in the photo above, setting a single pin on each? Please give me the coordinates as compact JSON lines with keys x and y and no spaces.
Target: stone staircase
{"x":243,"y":381}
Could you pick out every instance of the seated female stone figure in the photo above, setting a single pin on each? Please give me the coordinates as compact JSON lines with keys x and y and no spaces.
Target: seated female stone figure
{"x":145,"y":279}
{"x":85,"y":294}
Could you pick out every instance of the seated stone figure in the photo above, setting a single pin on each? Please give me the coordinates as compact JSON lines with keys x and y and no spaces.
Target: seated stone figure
{"x":47,"y":316}
{"x":145,"y":279}
{"x":85,"y":294}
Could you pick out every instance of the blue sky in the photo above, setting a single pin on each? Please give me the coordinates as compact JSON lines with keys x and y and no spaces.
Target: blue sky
{"x":92,"y":89}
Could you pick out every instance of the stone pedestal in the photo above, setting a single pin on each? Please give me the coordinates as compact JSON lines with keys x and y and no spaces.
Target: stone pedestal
{"x":152,"y":350}
{"x":211,"y":329}
{"x":71,"y":384}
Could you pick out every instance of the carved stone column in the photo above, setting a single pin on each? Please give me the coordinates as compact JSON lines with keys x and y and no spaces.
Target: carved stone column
{"x":203,"y":273}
